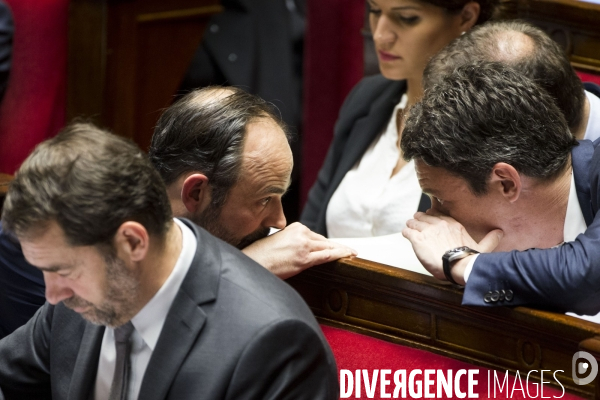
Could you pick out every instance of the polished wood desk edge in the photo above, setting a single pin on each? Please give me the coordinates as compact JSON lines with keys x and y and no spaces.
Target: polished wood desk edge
{"x":5,"y":180}
{"x":415,"y":310}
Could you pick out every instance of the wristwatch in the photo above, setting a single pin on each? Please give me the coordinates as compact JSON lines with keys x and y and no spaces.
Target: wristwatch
{"x":453,"y":255}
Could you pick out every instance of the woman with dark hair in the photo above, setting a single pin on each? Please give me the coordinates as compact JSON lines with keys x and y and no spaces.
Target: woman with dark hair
{"x":365,"y":188}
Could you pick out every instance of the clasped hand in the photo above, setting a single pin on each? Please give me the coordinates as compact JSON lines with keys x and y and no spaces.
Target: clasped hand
{"x":432,"y":234}
{"x":294,"y":249}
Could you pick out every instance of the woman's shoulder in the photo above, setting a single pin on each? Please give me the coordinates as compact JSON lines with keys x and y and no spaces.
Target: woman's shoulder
{"x":371,"y":90}
{"x":374,"y":85}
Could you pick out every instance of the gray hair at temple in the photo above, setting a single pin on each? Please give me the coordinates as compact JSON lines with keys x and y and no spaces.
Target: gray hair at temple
{"x":89,"y":181}
{"x":523,"y":47}
{"x":204,"y":131}
{"x":485,"y":113}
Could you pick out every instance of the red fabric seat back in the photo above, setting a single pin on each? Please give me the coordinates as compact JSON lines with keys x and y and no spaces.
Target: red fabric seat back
{"x":34,"y":106}
{"x":587,"y":77}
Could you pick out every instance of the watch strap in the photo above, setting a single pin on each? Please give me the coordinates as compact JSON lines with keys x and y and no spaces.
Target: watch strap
{"x":454,"y":255}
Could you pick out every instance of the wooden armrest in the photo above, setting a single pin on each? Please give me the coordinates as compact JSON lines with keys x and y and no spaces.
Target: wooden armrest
{"x":5,"y":180}
{"x":415,"y":310}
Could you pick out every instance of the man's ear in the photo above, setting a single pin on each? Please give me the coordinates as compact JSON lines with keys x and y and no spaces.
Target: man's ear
{"x":132,"y":241}
{"x":507,"y":180}
{"x":469,"y":15}
{"x":195,"y":194}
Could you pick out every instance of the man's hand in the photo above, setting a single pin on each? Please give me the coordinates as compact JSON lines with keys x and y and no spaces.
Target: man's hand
{"x":431,"y":235}
{"x":294,"y":249}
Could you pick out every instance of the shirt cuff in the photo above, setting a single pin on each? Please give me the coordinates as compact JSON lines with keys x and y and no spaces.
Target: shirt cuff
{"x":470,"y":267}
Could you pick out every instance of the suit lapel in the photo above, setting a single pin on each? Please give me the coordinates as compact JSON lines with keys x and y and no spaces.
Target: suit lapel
{"x":86,"y":365}
{"x":185,"y":319}
{"x":365,"y":130}
{"x":581,"y":158}
{"x":181,"y":329}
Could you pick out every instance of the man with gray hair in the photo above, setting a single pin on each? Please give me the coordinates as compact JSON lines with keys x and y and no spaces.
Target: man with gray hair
{"x":225,"y":158}
{"x":533,"y":53}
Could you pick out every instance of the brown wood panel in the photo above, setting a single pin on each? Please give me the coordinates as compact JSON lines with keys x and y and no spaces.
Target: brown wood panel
{"x":4,"y":182}
{"x":127,"y":59}
{"x":573,"y":24}
{"x":415,"y":310}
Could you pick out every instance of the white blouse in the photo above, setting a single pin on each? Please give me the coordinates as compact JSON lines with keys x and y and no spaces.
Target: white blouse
{"x":370,"y":201}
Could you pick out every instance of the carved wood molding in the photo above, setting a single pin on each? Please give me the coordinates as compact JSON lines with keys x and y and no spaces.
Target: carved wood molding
{"x":4,"y":182}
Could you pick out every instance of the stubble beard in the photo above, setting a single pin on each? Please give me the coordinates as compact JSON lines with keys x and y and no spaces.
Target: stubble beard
{"x":120,"y":296}
{"x":209,"y":220}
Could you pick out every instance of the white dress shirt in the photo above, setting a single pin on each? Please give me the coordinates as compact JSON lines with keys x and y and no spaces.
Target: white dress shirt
{"x":148,"y":324}
{"x":592,"y":131}
{"x":370,"y":201}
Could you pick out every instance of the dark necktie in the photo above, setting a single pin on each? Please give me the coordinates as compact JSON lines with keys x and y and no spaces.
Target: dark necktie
{"x":120,"y":383}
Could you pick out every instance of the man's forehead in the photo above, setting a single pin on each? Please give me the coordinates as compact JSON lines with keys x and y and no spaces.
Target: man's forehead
{"x":434,"y":179}
{"x":266,"y":151}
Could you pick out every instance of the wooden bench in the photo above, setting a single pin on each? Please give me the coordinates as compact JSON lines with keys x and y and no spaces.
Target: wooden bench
{"x":419,"y":311}
{"x":4,"y":182}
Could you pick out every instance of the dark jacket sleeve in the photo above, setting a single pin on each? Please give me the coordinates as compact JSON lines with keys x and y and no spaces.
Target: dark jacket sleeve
{"x":6,"y":36}
{"x":22,"y":289}
{"x":25,"y":359}
{"x":297,"y":372}
{"x":565,"y":278}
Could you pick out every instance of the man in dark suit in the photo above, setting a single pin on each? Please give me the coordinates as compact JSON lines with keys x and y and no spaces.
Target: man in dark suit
{"x":495,"y":154}
{"x":6,"y":36}
{"x":202,"y":149}
{"x":141,"y":305}
{"x":224,"y":157}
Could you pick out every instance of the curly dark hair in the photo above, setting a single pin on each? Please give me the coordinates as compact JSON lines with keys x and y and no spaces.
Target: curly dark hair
{"x":487,"y":7}
{"x":484,"y":113}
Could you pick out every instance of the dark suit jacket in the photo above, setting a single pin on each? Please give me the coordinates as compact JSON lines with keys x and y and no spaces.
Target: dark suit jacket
{"x":565,"y":278}
{"x":234,"y":331}
{"x":251,"y":45}
{"x":21,"y":286}
{"x":6,"y":40}
{"x":363,"y":116}
{"x":592,"y":88}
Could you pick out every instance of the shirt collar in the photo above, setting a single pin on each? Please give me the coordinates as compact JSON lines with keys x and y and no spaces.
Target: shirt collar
{"x":592,"y":131}
{"x":150,"y":320}
{"x":574,"y":220}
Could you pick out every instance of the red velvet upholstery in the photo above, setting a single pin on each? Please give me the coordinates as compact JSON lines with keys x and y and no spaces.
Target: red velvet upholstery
{"x":587,"y":77}
{"x":354,"y":351}
{"x":333,"y":64}
{"x":34,"y":105}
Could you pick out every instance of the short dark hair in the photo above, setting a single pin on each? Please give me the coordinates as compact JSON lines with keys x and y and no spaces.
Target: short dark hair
{"x":89,"y":181}
{"x":484,"y":113}
{"x":204,"y":131}
{"x":486,"y":7}
{"x":544,"y":61}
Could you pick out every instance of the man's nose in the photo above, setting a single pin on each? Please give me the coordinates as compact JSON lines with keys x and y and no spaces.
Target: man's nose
{"x":276,"y":217}
{"x":56,"y":290}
